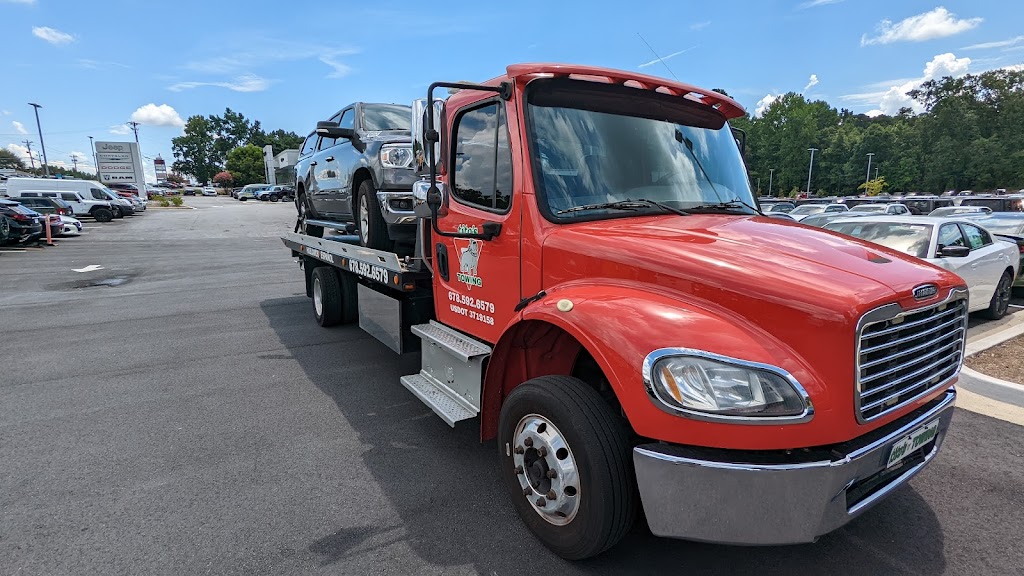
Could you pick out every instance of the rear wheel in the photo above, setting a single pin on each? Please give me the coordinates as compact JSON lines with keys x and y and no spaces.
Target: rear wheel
{"x":567,"y":464}
{"x":1000,"y":302}
{"x":373,"y":231}
{"x":274,"y":198}
{"x":103,"y":215}
{"x":300,"y":226}
{"x":5,"y":230}
{"x":334,"y":297}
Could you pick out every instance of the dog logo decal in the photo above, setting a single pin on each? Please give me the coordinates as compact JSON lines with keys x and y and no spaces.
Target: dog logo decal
{"x":468,"y":252}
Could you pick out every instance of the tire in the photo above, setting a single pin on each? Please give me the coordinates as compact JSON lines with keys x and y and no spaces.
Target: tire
{"x":373,"y":231}
{"x":103,"y":215}
{"x":275,"y":198}
{"x":117,"y":212}
{"x":301,"y":226}
{"x":242,"y":198}
{"x":334,"y":297}
{"x":564,"y":413}
{"x":1000,"y":302}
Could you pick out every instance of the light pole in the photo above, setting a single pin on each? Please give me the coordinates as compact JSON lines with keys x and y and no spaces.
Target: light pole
{"x":96,"y":163}
{"x":46,"y":168}
{"x":810,"y":170}
{"x":771,"y":173}
{"x":876,"y":172}
{"x":868,"y":176}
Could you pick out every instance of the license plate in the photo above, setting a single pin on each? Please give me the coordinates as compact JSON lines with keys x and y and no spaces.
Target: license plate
{"x":912,"y":442}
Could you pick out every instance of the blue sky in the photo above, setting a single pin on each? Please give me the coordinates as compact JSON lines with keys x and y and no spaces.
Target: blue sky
{"x":94,"y":66}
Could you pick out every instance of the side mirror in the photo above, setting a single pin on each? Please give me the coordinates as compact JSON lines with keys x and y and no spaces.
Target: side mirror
{"x":954,"y":252}
{"x":329,"y":129}
{"x":419,"y":140}
{"x":422,"y":200}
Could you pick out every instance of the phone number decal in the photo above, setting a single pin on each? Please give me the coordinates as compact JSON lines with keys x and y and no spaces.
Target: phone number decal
{"x":470,"y":302}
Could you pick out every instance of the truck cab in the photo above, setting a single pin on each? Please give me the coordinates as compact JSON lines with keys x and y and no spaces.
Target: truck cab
{"x":594,"y":286}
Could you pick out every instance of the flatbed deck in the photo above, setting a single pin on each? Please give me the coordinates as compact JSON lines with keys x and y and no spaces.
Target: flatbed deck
{"x":383,"y":268}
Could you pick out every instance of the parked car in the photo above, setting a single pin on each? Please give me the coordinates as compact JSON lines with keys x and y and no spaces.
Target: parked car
{"x":819,"y":220}
{"x":249,"y":191}
{"x":368,"y":149}
{"x":959,"y":211}
{"x":101,"y":210}
{"x":274,"y":193}
{"x":208,"y":191}
{"x":780,"y":216}
{"x":24,"y":224}
{"x":805,"y":210}
{"x":988,"y":265}
{"x":776,"y":205}
{"x":45,"y":205}
{"x":69,"y":226}
{"x":85,"y":189}
{"x":920,"y":205}
{"x":1008,"y":226}
{"x":1012,"y":203}
{"x":188,"y":192}
{"x":890,"y":209}
{"x":235,"y":191}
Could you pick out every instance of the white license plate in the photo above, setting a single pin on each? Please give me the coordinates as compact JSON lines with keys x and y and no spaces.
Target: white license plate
{"x":912,"y":442}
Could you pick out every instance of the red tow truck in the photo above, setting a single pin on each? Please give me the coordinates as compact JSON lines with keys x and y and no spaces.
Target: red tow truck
{"x":593,"y":284}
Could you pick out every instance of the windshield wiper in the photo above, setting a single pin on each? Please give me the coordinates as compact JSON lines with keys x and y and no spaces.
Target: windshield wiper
{"x":733,"y":204}
{"x":624,"y":205}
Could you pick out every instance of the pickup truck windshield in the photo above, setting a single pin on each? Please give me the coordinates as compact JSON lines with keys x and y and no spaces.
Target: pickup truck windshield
{"x":601,"y":151}
{"x":386,"y":117}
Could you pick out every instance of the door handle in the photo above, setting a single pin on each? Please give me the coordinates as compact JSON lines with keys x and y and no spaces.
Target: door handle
{"x":312,"y":163}
{"x":330,"y":158}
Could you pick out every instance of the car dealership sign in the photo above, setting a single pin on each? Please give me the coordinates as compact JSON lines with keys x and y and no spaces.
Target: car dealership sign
{"x":119,"y":162}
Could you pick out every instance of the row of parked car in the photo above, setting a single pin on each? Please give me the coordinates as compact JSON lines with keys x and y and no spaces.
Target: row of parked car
{"x":28,"y":205}
{"x":979,"y":239}
{"x":264,"y":192}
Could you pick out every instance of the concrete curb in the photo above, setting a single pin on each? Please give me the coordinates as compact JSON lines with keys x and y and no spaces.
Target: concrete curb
{"x":991,"y":380}
{"x":993,"y":339}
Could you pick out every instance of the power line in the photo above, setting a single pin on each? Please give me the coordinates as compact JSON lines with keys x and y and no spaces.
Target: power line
{"x":659,"y":58}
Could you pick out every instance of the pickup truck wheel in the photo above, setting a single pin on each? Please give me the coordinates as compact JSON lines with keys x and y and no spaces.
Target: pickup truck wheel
{"x":567,"y":465}
{"x":373,"y":231}
{"x":302,"y":227}
{"x":103,"y":215}
{"x":1000,"y":302}
{"x":275,"y":198}
{"x":327,"y":296}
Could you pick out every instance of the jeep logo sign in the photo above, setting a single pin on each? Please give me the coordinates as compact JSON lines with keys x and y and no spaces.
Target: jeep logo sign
{"x":925,"y":291}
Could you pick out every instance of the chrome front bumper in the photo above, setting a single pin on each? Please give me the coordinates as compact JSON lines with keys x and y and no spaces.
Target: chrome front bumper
{"x":696,"y":495}
{"x":394,"y":215}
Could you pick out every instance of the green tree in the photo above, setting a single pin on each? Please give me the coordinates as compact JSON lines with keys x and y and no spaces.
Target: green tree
{"x":194,"y":151}
{"x":246,"y":165}
{"x":873,"y":187}
{"x":9,"y":159}
{"x":279,"y":139}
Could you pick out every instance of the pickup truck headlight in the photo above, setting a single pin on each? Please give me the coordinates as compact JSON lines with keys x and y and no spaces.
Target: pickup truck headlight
{"x":708,"y":386}
{"x":396,"y":156}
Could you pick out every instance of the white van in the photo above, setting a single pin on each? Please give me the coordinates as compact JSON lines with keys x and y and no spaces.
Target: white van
{"x":88,"y":192}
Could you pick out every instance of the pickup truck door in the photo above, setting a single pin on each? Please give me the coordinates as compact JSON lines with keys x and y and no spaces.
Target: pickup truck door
{"x":477,"y":282}
{"x":323,"y":173}
{"x":343,"y":160}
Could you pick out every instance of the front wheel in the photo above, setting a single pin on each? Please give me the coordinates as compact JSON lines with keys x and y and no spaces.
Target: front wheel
{"x":567,"y":464}
{"x":1000,"y":302}
{"x":274,"y":198}
{"x":373,"y":231}
{"x":103,"y":215}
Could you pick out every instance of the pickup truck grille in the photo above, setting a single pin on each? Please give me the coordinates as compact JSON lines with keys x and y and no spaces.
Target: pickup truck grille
{"x":907,"y":355}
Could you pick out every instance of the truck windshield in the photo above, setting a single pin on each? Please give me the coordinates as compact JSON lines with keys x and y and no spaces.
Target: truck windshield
{"x":601,"y":151}
{"x":378,"y":117}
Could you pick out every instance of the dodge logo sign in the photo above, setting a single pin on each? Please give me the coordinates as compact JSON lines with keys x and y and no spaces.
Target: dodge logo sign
{"x":925,"y":291}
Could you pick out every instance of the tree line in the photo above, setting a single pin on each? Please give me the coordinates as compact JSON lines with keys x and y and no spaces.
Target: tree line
{"x":970,"y":136}
{"x":232,"y":142}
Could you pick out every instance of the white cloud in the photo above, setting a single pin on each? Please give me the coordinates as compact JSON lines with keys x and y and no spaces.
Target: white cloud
{"x":153,"y":115}
{"x":244,"y":83}
{"x":816,"y":3}
{"x":18,"y":1}
{"x":811,"y":82}
{"x":874,"y":113}
{"x":19,"y":151}
{"x":700,"y":25}
{"x":120,"y":129}
{"x":937,"y":23}
{"x":19,"y":127}
{"x":763,"y":104}
{"x":338,"y":69}
{"x":890,"y":101}
{"x":998,"y":44}
{"x":262,"y":51}
{"x":672,"y":55}
{"x":51,"y":35}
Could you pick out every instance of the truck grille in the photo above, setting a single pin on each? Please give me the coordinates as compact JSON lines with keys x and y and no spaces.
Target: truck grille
{"x":907,"y":355}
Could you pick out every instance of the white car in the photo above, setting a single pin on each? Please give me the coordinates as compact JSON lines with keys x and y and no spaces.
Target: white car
{"x":805,"y":210}
{"x":209,"y":192}
{"x":891,"y":209}
{"x":70,"y":226}
{"x":988,"y":265}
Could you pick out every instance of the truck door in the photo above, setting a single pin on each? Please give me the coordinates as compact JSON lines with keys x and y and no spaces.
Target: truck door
{"x":324,"y":174}
{"x":477,"y":282}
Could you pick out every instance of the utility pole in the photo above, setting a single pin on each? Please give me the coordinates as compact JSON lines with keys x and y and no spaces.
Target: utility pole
{"x":771,"y":174}
{"x":135,"y":128}
{"x":74,"y":161}
{"x":759,"y":186}
{"x":810,"y":170}
{"x":42,"y":145}
{"x":868,"y":176}
{"x":28,"y":144}
{"x":96,"y":163}
{"x":876,"y":172}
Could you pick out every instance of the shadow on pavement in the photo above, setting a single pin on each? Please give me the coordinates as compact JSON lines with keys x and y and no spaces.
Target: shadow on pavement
{"x":453,"y":510}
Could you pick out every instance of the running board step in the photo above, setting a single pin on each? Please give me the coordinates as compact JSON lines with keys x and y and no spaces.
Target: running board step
{"x":340,"y":226}
{"x":439,"y":398}
{"x":451,"y":341}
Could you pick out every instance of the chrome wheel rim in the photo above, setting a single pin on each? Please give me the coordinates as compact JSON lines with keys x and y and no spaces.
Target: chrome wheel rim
{"x":364,"y":220}
{"x":546,"y":469}
{"x":318,"y":298}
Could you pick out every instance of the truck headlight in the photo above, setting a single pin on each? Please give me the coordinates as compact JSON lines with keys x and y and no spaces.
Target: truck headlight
{"x":396,"y":156}
{"x":708,"y":386}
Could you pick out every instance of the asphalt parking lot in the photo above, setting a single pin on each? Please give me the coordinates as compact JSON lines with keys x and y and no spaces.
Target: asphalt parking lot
{"x":178,"y":411}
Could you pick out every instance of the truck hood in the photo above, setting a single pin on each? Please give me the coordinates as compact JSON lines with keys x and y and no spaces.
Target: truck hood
{"x":802,"y":288}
